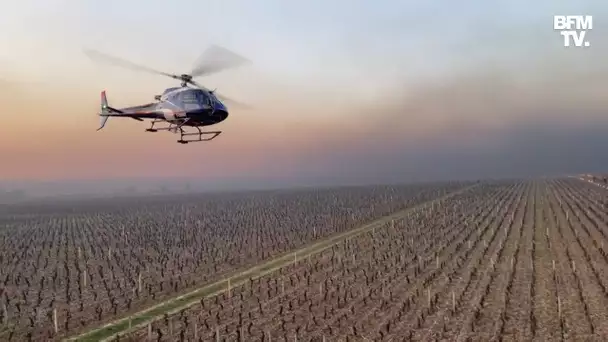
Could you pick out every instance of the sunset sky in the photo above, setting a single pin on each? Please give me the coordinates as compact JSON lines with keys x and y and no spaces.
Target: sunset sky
{"x":343,"y":91}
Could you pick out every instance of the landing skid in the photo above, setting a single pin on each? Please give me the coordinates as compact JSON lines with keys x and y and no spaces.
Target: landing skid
{"x":183,"y":139}
{"x":199,"y":136}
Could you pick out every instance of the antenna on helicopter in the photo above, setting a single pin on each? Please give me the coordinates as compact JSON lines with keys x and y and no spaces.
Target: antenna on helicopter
{"x":213,"y":60}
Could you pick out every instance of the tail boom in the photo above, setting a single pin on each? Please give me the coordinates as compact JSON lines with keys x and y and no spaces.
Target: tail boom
{"x":107,"y":111}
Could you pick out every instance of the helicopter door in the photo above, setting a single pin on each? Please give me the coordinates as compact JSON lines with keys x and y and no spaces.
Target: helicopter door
{"x":211,"y":100}
{"x":204,"y":99}
{"x":174,"y":100}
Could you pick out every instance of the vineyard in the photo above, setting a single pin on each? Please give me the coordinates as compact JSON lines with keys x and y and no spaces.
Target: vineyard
{"x":66,"y":267}
{"x":509,"y":260}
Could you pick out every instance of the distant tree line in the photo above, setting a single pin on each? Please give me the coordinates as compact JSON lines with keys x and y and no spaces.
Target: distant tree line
{"x":12,"y":196}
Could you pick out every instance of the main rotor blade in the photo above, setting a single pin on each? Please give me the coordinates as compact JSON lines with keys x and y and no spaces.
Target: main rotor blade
{"x":216,"y":59}
{"x":232,"y":102}
{"x":102,"y":57}
{"x":222,"y":98}
{"x":198,"y":85}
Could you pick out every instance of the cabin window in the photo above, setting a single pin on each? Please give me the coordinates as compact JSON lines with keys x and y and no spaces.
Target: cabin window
{"x":194,"y":96}
{"x":173,"y":99}
{"x":189,"y":97}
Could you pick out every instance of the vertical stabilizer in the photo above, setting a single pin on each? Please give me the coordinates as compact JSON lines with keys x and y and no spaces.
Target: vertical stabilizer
{"x":104,"y":110}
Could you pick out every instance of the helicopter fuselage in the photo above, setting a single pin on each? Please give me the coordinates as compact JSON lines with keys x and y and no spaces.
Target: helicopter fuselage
{"x":198,"y":106}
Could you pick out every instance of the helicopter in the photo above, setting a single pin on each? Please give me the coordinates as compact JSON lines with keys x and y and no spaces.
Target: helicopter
{"x":190,"y":105}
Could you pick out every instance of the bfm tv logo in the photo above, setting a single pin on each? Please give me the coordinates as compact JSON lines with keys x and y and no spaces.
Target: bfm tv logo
{"x":573,"y":28}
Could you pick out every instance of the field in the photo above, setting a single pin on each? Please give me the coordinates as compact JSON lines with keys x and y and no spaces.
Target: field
{"x":66,"y":267}
{"x":508,"y":260}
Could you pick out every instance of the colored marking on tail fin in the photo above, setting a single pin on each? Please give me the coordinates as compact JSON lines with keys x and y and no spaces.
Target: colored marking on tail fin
{"x":104,"y":100}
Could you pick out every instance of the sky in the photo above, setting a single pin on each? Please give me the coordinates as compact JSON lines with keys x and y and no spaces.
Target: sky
{"x":342,"y":91}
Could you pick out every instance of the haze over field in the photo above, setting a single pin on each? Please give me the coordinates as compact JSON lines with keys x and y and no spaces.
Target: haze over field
{"x":344,"y":91}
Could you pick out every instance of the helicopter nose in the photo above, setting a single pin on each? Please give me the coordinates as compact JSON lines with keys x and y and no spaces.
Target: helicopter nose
{"x":199,"y":111}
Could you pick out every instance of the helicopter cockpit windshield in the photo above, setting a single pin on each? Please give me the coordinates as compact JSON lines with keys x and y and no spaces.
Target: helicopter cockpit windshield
{"x":193,"y":98}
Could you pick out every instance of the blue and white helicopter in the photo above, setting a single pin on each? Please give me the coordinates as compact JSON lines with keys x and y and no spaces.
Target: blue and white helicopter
{"x":178,"y":107}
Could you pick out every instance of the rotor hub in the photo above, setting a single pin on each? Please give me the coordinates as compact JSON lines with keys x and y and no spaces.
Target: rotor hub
{"x":185,"y":78}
